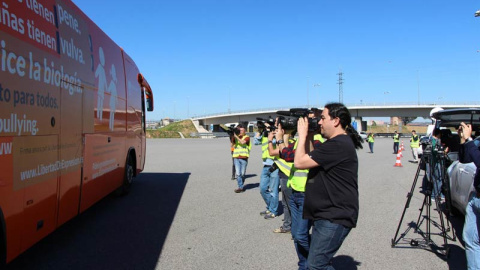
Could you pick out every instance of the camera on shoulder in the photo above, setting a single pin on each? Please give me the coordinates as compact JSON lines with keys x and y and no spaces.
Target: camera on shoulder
{"x":288,"y":119}
{"x":232,"y":130}
{"x":263,"y":128}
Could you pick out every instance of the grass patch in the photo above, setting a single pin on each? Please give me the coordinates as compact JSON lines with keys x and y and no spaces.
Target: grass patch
{"x":171,"y":131}
{"x":405,"y":129}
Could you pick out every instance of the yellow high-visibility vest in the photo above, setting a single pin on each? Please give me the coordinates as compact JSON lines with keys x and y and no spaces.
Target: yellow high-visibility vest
{"x":415,"y":142}
{"x":242,"y":149}
{"x":265,"y":153}
{"x":318,"y":137}
{"x":284,"y":166}
{"x":298,"y":178}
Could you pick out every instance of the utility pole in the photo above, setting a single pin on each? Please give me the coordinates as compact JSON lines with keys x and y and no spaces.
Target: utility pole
{"x":340,"y":86}
{"x":418,"y":88}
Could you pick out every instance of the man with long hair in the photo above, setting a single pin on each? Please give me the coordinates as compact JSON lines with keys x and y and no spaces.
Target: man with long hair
{"x":331,"y":192}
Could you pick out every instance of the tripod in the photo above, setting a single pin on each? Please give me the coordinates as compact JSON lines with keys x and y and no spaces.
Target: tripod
{"x":435,"y":169}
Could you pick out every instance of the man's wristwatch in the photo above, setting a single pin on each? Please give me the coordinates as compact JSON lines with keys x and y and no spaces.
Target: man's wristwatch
{"x":279,"y":142}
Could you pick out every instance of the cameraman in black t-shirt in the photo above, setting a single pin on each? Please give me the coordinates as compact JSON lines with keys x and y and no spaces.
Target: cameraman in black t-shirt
{"x":331,"y":192}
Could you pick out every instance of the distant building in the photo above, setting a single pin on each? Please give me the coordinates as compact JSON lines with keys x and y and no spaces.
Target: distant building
{"x":152,"y":124}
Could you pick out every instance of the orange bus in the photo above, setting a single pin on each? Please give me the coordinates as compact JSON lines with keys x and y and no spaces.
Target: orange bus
{"x":72,"y":119}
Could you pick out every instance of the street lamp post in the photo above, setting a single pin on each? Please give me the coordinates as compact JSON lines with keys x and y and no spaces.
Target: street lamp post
{"x":317,"y":85}
{"x":308,"y":96}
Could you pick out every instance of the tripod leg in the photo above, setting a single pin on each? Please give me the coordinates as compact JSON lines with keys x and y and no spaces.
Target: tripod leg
{"x":425,"y":200}
{"x":407,"y":205}
{"x":443,"y":229}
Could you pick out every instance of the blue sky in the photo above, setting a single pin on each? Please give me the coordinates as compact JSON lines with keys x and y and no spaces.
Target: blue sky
{"x":211,"y":56}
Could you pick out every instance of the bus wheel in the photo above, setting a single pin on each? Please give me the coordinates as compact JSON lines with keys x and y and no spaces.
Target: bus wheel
{"x":128,"y":177}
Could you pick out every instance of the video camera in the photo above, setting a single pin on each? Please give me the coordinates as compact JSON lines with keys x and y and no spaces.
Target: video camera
{"x":262,"y":128}
{"x":232,"y":130}
{"x":290,"y":123}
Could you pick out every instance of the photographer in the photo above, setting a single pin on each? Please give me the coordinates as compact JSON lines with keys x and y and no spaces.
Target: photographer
{"x":241,"y":152}
{"x":415,"y":145}
{"x":284,"y":172}
{"x":331,"y":193}
{"x":296,"y":181}
{"x":269,"y":180}
{"x":371,"y":141}
{"x":471,"y":228}
{"x":396,"y":141}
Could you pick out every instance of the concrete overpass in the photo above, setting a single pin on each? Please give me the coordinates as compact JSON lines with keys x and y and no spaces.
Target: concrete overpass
{"x":357,"y":110}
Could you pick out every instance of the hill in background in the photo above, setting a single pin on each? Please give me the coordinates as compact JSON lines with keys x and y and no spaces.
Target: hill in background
{"x":172,"y":130}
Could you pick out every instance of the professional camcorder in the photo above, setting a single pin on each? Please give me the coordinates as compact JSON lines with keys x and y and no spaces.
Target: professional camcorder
{"x":262,"y":128}
{"x":290,"y":122}
{"x":232,"y":130}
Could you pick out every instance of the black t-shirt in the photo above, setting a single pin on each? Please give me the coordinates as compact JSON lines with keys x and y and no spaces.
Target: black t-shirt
{"x":331,"y":191}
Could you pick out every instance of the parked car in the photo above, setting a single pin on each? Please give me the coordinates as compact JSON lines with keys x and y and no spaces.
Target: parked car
{"x":363,"y":134}
{"x":460,"y":175}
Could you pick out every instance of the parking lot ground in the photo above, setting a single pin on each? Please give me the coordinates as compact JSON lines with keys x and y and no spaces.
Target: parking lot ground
{"x":182,"y":213}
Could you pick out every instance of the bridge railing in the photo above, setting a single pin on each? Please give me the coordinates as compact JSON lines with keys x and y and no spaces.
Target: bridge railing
{"x":363,"y":104}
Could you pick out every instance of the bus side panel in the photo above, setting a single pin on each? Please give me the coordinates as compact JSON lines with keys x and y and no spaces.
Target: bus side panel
{"x":135,"y":116}
{"x":75,"y":56}
{"x":109,"y":80}
{"x":36,"y":169}
{"x":11,"y":201}
{"x":105,"y":165}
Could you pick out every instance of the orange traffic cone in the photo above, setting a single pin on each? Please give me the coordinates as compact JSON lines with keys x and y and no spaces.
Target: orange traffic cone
{"x":398,"y":162}
{"x":402,"y":147}
{"x":400,"y":152}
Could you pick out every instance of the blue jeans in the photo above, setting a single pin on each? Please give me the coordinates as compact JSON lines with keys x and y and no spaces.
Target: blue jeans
{"x":240,"y":169}
{"x":269,"y":183}
{"x":370,"y":144}
{"x":471,"y":233}
{"x":300,"y":229}
{"x":286,"y":197}
{"x":327,"y":237}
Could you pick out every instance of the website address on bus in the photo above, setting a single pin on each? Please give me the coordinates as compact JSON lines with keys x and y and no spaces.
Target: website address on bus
{"x":43,"y":169}
{"x":104,"y":167}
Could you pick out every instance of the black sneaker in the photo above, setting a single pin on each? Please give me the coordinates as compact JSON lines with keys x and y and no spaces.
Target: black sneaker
{"x":239,"y":190}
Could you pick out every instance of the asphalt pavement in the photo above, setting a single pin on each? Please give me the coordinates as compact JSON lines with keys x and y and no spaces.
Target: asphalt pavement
{"x":182,"y":213}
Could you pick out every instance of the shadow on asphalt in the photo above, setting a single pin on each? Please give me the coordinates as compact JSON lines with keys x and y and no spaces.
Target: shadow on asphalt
{"x":251,"y":186}
{"x":345,"y":262}
{"x":116,"y":233}
{"x":457,"y":258}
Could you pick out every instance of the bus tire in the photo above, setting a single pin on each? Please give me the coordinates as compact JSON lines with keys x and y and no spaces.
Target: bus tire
{"x":129,"y":175}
